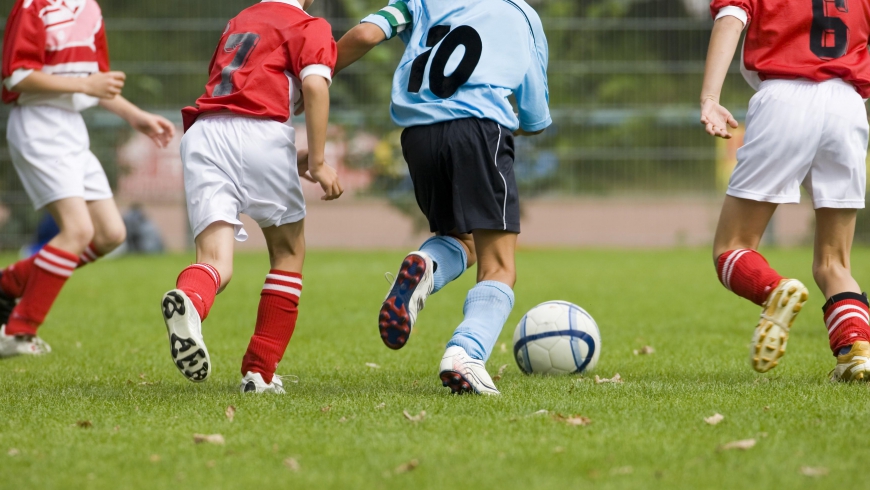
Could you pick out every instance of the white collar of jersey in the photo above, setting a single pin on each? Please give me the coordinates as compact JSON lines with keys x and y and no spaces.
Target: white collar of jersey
{"x":288,"y":2}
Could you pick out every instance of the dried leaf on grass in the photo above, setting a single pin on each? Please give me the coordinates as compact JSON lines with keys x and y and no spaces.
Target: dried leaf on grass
{"x":643,"y":351}
{"x":372,"y":365}
{"x":209,"y":438}
{"x":622,"y":470}
{"x":326,"y":408}
{"x":615,"y":379}
{"x":230,"y":413}
{"x":84,"y":424}
{"x":380,"y":406}
{"x":742,"y":444}
{"x":292,"y":464}
{"x":811,"y":471}
{"x":13,"y":452}
{"x":575,"y":420}
{"x":154,"y":458}
{"x":714,"y":419}
{"x":342,"y":420}
{"x":502,"y":347}
{"x":501,"y":371}
{"x":406,"y":467}
{"x":414,"y":418}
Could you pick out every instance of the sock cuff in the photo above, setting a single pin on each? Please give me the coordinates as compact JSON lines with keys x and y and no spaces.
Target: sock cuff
{"x":90,"y":254}
{"x":484,"y":287}
{"x":451,"y":243}
{"x":207,"y":268}
{"x":727,"y":262}
{"x":862,"y":298}
{"x":56,"y":261}
{"x":283,"y":283}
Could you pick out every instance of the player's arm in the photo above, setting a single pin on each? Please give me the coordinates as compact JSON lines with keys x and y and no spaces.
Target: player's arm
{"x":723,"y":43}
{"x":158,"y":128}
{"x":315,"y":90}
{"x":356,"y":43}
{"x":533,"y":95}
{"x":101,"y":85}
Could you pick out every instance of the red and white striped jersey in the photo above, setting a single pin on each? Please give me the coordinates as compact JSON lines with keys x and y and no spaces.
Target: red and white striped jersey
{"x":262,"y":57}
{"x":813,"y":39}
{"x":60,"y":37}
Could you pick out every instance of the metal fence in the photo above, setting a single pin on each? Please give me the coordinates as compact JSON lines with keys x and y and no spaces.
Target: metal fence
{"x":624,"y":80}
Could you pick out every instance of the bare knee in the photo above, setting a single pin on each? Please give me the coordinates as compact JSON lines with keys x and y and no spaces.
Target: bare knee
{"x":106,"y":240}
{"x":75,"y":237}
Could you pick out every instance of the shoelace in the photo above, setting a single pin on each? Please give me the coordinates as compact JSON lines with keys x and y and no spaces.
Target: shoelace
{"x":289,"y":377}
{"x":390,"y":277}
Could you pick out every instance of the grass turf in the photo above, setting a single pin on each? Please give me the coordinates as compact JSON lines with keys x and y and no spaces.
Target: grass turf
{"x":343,"y":423}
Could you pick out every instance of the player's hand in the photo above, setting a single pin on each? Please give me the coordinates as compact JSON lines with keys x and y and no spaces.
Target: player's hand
{"x":302,"y":166}
{"x":158,"y":128}
{"x":104,"y":85}
{"x":328,"y":180}
{"x":716,"y":119}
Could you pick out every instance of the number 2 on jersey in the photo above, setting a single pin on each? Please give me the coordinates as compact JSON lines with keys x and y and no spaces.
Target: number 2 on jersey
{"x":441,"y":85}
{"x":829,"y":36}
{"x":242,"y":43}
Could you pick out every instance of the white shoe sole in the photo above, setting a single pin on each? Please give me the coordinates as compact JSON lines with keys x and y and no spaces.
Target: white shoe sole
{"x":771,"y":335}
{"x":188,"y":350}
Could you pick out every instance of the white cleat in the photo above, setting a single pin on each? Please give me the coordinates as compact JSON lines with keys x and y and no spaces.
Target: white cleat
{"x":407,"y":296}
{"x":184,"y":328}
{"x":254,"y":383}
{"x":16,"y":345}
{"x":463,"y":374}
{"x":777,"y":316}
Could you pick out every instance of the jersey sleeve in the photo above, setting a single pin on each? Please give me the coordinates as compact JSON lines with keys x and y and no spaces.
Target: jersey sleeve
{"x":533,"y":95}
{"x":102,"y":46}
{"x":393,"y":19}
{"x":23,"y":44}
{"x":315,"y":52}
{"x":741,"y":9}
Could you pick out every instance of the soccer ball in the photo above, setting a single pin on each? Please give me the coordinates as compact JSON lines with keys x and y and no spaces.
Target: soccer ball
{"x":557,"y":337}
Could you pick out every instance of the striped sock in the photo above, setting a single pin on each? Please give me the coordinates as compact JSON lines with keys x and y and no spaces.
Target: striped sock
{"x":51,"y":268}
{"x":15,"y":277}
{"x":200,"y":282}
{"x":276,"y":320}
{"x":847,"y":317}
{"x":747,"y":274}
{"x":91,"y":254}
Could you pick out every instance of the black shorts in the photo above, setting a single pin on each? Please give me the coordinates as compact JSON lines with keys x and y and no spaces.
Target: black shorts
{"x":463,"y":175}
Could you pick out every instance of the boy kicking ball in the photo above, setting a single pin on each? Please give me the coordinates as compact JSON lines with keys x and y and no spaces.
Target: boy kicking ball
{"x":462,"y":61}
{"x":55,"y":65}
{"x":807,"y":125}
{"x":239,"y":155}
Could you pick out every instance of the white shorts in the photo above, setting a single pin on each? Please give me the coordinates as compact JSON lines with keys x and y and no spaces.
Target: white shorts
{"x":806,"y":133}
{"x":235,"y":164}
{"x":50,"y":150}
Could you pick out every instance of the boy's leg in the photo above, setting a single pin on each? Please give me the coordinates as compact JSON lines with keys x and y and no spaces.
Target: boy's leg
{"x":746,"y":272}
{"x":185,"y":307}
{"x":451,"y":255}
{"x":109,"y":230}
{"x":49,"y":270}
{"x":846,"y":312}
{"x":279,"y":302}
{"x":486,"y":309}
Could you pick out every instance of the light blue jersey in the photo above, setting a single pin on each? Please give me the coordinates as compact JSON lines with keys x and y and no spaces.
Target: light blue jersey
{"x":464,"y":58}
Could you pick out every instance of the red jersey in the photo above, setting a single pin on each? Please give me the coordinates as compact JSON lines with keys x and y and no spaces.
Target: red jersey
{"x":813,"y":39}
{"x":263,"y":55}
{"x":65,"y":37}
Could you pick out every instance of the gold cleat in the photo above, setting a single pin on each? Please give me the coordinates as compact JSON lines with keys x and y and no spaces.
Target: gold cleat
{"x":778,"y":314}
{"x":853,"y":365}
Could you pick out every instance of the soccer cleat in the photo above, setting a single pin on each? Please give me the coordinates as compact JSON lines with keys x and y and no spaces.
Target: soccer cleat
{"x":253,"y":383}
{"x":777,"y":316}
{"x":14,"y":345}
{"x":853,"y":365}
{"x":185,"y":336}
{"x":406,"y":298}
{"x":463,"y":374}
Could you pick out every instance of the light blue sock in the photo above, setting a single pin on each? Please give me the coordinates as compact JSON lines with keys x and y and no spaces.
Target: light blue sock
{"x":450,"y":256}
{"x":486,"y":309}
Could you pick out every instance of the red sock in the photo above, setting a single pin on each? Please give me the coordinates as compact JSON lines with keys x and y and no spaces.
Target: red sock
{"x":276,"y":320}
{"x":91,"y":254}
{"x":15,"y":277}
{"x":200,"y":282}
{"x":51,"y":268}
{"x":747,"y":274}
{"x":847,"y":318}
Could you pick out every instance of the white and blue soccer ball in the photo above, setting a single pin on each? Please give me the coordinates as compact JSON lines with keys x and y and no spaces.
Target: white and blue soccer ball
{"x":557,"y":337}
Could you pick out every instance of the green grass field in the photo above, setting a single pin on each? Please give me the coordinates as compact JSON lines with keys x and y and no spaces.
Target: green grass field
{"x":107,"y":409}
